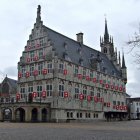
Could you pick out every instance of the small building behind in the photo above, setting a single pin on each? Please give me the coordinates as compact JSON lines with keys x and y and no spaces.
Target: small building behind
{"x":8,"y":89}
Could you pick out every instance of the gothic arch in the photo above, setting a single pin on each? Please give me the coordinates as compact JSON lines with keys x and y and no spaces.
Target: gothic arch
{"x":44,"y":114}
{"x":34,"y":113}
{"x":20,"y":115}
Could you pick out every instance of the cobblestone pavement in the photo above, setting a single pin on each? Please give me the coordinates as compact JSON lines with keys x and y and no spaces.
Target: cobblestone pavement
{"x":125,"y":130}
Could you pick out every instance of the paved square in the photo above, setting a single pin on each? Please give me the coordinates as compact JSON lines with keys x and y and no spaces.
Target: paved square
{"x":125,"y":130}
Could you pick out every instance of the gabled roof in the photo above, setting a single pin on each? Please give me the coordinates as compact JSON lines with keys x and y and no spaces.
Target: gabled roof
{"x":12,"y":82}
{"x":73,"y":46}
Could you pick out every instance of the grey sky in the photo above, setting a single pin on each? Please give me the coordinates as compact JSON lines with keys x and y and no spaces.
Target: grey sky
{"x":69,"y":18}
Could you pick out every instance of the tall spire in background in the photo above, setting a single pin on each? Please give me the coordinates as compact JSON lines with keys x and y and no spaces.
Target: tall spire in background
{"x":123,"y":62}
{"x":106,"y":34}
{"x":119,"y":59}
{"x":38,"y":19}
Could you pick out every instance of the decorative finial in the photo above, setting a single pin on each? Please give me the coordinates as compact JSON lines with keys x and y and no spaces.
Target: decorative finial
{"x":38,"y":19}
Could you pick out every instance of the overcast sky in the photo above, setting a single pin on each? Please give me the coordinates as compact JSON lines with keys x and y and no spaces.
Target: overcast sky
{"x":69,"y":17}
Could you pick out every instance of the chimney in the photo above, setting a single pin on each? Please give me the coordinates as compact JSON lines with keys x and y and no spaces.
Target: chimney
{"x":80,"y":37}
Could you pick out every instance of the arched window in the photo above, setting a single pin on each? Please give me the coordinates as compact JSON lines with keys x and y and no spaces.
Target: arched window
{"x":105,"y":50}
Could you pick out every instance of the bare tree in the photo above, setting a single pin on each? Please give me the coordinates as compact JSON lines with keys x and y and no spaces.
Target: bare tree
{"x":134,"y":44}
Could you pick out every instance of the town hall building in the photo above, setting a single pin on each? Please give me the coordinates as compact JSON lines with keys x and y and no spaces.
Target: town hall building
{"x":72,"y":80}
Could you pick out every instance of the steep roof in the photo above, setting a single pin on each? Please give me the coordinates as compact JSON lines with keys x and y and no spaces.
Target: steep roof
{"x":12,"y":82}
{"x":73,"y":55}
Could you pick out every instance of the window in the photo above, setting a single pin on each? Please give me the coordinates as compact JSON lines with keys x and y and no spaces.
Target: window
{"x":40,"y":53}
{"x":61,"y":90}
{"x":118,"y":102}
{"x":89,"y":115}
{"x":31,"y":70}
{"x":40,"y":67}
{"x":71,"y":115}
{"x":96,"y":115}
{"x":77,"y":92}
{"x":32,"y":55}
{"x":98,"y":95}
{"x":77,"y":115}
{"x":122,"y":103}
{"x":85,"y":92}
{"x":92,"y":92}
{"x":114,"y":102}
{"x":50,"y":70}
{"x":49,"y":90}
{"x":61,"y":68}
{"x":41,"y":41}
{"x":84,"y":72}
{"x":76,"y":70}
{"x":33,"y":44}
{"x":39,"y":90}
{"x":23,"y":70}
{"x":30,"y":91}
{"x":2,"y":100}
{"x":22,"y":91}
{"x":80,"y":115}
{"x":68,"y":114}
{"x":91,"y":74}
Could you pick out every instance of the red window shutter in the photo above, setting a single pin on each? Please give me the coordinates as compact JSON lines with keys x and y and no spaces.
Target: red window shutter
{"x":35,"y":58}
{"x":66,"y":94}
{"x":95,"y":99}
{"x":44,"y":94}
{"x":79,"y":76}
{"x":45,"y":71}
{"x":112,"y":87}
{"x":34,"y":94}
{"x":114,"y":107}
{"x":101,"y":81}
{"x":107,"y":85}
{"x":35,"y":72}
{"x":87,"y":78}
{"x":17,"y":96}
{"x":108,"y":104}
{"x":116,"y":88}
{"x":117,"y":107}
{"x":81,"y":96}
{"x":94,"y":80}
{"x":27,"y":74}
{"x":101,"y":100}
{"x":89,"y":98}
{"x":37,"y":45}
{"x":19,"y":75}
{"x":65,"y":72}
{"x":120,"y":88}
{"x":28,"y":59}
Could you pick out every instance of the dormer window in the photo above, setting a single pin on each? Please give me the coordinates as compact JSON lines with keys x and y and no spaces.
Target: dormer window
{"x":104,"y":69}
{"x":105,"y":50}
{"x":65,"y":46}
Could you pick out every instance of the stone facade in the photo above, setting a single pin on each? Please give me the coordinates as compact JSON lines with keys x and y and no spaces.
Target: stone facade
{"x":78,"y":82}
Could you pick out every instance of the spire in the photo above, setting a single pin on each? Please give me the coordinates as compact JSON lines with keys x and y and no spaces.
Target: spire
{"x":38,"y":19}
{"x":123,"y":62}
{"x":119,"y":58}
{"x":106,"y":35}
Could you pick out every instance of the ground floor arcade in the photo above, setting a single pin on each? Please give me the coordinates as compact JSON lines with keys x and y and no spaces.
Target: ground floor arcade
{"x":25,"y":112}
